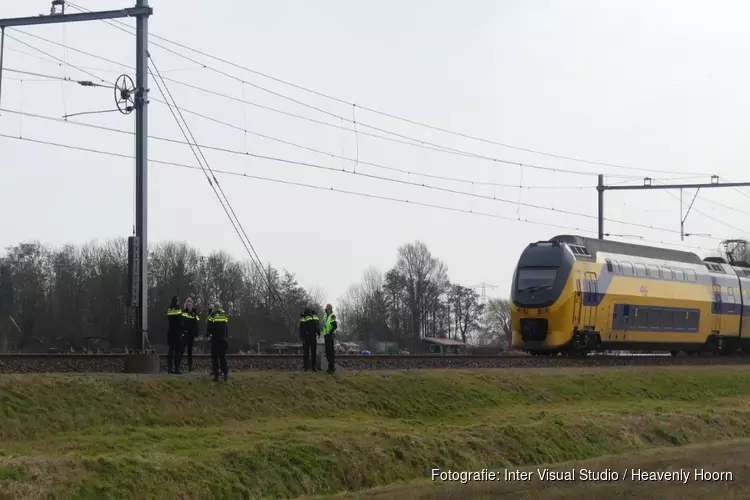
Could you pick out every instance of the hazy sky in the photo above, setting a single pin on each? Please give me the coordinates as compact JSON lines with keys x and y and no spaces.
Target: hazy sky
{"x":649,"y":84}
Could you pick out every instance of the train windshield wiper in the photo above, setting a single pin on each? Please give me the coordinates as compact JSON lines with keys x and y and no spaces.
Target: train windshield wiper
{"x":535,"y":288}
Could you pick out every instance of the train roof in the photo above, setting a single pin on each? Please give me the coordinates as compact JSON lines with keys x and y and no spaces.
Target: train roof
{"x":594,"y":245}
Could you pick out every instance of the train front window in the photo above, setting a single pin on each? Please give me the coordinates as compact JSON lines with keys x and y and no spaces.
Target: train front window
{"x":534,"y":278}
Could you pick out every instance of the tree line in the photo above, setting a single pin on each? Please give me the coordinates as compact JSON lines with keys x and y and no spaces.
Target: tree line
{"x":76,"y":297}
{"x":416,"y":299}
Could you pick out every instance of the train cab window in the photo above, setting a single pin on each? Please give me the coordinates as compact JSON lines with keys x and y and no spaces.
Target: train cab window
{"x":536,"y":277}
{"x":641,"y":317}
{"x":653,"y":318}
{"x":666,"y":273}
{"x":692,"y":320}
{"x":640,"y":270}
{"x":653,"y":272}
{"x":690,"y":275}
{"x":627,"y":269}
{"x":730,"y":299}
{"x":679,"y":275}
{"x":679,"y":320}
{"x":667,"y":319}
{"x":610,"y":267}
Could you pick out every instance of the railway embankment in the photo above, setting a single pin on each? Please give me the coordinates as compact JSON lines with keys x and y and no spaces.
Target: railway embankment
{"x":283,"y":435}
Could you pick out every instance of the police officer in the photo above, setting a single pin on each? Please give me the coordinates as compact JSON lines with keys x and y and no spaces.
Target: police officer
{"x":190,"y":321}
{"x":309,"y":331}
{"x":329,"y":334}
{"x":174,"y":334}
{"x":217,"y":327}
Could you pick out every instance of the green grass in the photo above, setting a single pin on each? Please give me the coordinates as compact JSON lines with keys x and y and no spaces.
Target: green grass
{"x":277,"y":435}
{"x":726,"y":456}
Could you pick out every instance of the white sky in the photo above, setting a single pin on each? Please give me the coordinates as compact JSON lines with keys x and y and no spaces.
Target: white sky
{"x":648,"y":84}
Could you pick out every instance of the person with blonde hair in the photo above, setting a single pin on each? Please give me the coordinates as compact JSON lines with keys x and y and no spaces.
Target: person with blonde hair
{"x":190,"y":321}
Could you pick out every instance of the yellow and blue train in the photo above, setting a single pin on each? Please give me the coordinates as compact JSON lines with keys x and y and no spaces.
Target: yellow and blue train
{"x":574,"y":295}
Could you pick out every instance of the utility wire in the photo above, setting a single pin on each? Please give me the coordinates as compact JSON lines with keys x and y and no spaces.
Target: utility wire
{"x":707,"y":216}
{"x":322,"y":167}
{"x":215,"y":184}
{"x":333,"y":155}
{"x":115,"y":24}
{"x":414,"y":142}
{"x":84,"y":83}
{"x":332,"y":189}
{"x":61,"y":61}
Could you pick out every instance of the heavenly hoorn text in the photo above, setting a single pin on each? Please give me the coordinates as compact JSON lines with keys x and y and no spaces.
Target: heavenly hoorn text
{"x":681,"y":475}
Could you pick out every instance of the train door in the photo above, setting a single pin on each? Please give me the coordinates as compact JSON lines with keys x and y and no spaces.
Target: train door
{"x":716,"y":310}
{"x":590,"y":300}
{"x":577,"y":303}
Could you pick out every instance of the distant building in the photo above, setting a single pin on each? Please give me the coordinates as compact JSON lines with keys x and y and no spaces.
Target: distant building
{"x":381,"y":339}
{"x":438,"y":345}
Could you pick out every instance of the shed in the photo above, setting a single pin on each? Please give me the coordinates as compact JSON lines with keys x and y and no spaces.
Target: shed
{"x":439,"y":345}
{"x":381,"y":339}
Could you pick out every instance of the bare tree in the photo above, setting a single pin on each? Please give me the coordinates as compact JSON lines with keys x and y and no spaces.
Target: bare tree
{"x":497,"y":328}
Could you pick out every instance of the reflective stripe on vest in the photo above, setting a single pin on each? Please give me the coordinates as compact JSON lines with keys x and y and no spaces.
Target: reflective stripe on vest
{"x":329,"y":324}
{"x":305,"y":319}
{"x":174,"y":312}
{"x":190,"y":316}
{"x":219,"y":317}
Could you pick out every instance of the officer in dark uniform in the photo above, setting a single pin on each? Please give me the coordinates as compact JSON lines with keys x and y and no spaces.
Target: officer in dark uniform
{"x":174,"y":335}
{"x":190,"y":321}
{"x":309,"y":331}
{"x":217,"y":328}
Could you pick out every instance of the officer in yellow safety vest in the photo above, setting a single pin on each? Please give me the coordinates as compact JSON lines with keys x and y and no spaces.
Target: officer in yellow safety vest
{"x":329,"y":333}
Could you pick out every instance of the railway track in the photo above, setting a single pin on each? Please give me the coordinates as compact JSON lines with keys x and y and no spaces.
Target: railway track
{"x":114,"y":363}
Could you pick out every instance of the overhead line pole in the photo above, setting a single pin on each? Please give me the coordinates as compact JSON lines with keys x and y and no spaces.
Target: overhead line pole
{"x":647,"y":185}
{"x":141,"y":11}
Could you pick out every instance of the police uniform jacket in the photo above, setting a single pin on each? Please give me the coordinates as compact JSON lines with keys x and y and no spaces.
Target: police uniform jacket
{"x":309,"y":324}
{"x":175,"y":329}
{"x":217,"y":326}
{"x":190,"y":321}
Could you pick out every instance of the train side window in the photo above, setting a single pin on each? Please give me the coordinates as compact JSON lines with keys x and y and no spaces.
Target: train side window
{"x":667,"y":319}
{"x":679,"y":320}
{"x":627,"y":269}
{"x":690,"y":275}
{"x":666,"y":273}
{"x":679,"y":275}
{"x":610,"y":267}
{"x":640,"y":270}
{"x":653,"y":318}
{"x":692,"y":320}
{"x":641,"y":318}
{"x":653,"y":272}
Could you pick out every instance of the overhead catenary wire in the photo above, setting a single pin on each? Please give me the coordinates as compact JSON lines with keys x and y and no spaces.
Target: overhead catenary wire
{"x":416,"y":141}
{"x":413,"y":143}
{"x":460,"y":180}
{"x":322,"y":167}
{"x":518,"y":203}
{"x":332,"y":189}
{"x":718,"y":221}
{"x":115,"y":24}
{"x":214,"y":182}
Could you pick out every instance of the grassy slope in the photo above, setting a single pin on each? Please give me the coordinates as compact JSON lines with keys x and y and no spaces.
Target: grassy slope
{"x":285,"y":435}
{"x":726,"y":456}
